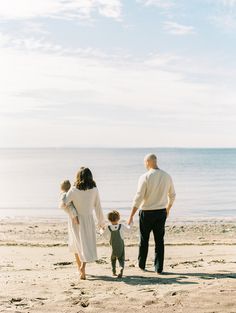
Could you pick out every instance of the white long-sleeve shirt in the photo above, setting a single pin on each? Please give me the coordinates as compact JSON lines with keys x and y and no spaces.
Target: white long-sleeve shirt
{"x":123,"y":229}
{"x":155,"y":190}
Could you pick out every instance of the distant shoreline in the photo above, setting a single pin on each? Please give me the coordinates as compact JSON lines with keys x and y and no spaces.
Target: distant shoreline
{"x":118,"y":148}
{"x":172,"y":220}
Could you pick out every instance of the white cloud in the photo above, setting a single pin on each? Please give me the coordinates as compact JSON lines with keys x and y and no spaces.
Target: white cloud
{"x":229,"y":3}
{"x":164,"y":4}
{"x":4,"y":39}
{"x":46,"y":97}
{"x":29,"y":44}
{"x":225,"y":21}
{"x":110,"y":8}
{"x":161,"y":60}
{"x":224,"y":16}
{"x":33,"y":27}
{"x":178,"y":29}
{"x":69,"y":9}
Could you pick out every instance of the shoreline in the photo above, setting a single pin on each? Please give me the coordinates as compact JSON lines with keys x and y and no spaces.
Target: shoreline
{"x":53,"y":232}
{"x":63,"y":218}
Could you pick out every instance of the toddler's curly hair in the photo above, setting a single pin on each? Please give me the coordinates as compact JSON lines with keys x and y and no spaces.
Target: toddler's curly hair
{"x":113,"y":216}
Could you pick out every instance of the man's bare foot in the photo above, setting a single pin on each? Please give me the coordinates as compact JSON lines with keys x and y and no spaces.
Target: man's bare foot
{"x":114,"y":274}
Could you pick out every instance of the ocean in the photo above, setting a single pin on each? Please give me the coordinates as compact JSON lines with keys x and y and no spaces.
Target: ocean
{"x":204,"y":179}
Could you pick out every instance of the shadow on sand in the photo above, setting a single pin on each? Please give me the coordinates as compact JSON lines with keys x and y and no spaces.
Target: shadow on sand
{"x":165,"y":279}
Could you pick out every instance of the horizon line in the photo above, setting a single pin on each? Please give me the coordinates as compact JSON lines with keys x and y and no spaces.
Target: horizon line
{"x":117,"y":147}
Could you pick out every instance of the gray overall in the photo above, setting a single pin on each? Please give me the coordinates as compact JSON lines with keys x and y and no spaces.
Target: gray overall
{"x":118,"y":248}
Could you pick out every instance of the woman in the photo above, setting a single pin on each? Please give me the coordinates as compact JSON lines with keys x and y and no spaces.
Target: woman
{"x":82,"y":235}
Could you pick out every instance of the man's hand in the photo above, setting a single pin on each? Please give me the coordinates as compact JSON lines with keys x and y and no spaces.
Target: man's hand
{"x":167,"y":212}
{"x":130,"y":220}
{"x":75,"y":220}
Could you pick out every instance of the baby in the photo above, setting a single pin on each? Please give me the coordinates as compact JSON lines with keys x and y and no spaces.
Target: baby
{"x":115,"y":233}
{"x":69,"y":209}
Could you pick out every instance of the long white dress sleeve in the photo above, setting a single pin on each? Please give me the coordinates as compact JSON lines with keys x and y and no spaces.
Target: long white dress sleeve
{"x":98,"y":211}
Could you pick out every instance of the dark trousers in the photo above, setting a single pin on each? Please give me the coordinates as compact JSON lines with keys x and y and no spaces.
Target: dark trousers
{"x":152,"y":221}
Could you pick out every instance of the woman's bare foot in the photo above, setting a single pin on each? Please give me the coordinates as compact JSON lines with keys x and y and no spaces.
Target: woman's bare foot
{"x":82,"y":271}
{"x":82,"y":277}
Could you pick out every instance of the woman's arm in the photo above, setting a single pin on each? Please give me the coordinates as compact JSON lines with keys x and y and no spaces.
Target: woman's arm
{"x":99,"y":211}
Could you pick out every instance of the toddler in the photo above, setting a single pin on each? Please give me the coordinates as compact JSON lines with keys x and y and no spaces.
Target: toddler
{"x":115,"y":233}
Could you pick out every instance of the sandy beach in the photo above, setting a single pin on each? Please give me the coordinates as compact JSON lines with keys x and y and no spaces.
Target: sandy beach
{"x":38,"y":274}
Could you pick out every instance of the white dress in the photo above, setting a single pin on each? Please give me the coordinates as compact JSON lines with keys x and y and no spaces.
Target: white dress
{"x":82,"y":236}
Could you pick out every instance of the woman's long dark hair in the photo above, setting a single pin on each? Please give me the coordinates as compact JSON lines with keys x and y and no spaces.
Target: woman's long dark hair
{"x":84,"y":179}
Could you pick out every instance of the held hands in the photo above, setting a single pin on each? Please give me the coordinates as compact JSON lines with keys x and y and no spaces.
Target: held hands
{"x":75,"y":220}
{"x":101,"y":229}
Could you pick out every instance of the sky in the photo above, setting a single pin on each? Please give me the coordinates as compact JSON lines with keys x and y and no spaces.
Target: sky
{"x":117,"y":73}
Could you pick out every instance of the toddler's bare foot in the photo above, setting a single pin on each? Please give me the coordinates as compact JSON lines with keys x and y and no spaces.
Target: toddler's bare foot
{"x":120,"y":274}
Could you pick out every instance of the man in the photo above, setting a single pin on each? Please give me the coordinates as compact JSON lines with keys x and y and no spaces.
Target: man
{"x":155,"y":197}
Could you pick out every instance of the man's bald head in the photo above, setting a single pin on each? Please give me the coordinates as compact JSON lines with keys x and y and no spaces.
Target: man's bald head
{"x":150,"y":156}
{"x":150,"y":161}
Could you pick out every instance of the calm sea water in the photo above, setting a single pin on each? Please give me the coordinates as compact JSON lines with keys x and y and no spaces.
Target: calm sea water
{"x":205,"y":179}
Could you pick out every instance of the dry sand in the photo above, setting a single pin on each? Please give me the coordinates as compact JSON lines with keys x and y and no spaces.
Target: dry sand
{"x":38,"y":274}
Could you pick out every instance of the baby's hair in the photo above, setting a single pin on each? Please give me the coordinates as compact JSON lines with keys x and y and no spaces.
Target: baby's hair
{"x":113,"y":216}
{"x":65,"y":185}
